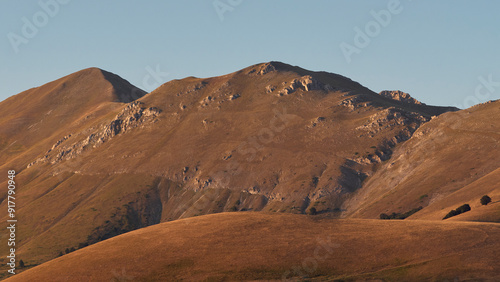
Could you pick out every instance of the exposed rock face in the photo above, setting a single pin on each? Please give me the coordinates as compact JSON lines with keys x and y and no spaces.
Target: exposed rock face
{"x":270,"y":88}
{"x":306,"y":83}
{"x":267,"y":68}
{"x":400,"y":96}
{"x":130,"y":117}
{"x":316,"y":121}
{"x":391,"y":117}
{"x":355,"y":102}
{"x":206,"y":101}
{"x":234,"y":96}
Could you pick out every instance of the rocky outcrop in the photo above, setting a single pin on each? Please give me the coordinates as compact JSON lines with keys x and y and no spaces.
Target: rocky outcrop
{"x":386,"y":120}
{"x":305,"y":83}
{"x":316,"y":122}
{"x":206,"y":101}
{"x":400,"y":96}
{"x":270,"y":88}
{"x":355,"y":102}
{"x":234,"y":96}
{"x":391,"y":117}
{"x":134,"y":115}
{"x":267,"y":68}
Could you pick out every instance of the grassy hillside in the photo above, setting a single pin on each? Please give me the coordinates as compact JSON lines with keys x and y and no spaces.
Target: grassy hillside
{"x":452,"y":160}
{"x":251,"y":246}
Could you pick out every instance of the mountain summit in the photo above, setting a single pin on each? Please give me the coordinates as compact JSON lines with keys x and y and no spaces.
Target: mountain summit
{"x":39,"y":116}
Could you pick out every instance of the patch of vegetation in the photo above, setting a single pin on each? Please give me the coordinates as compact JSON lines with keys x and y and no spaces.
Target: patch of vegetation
{"x":83,"y":245}
{"x":400,"y":215}
{"x":313,"y":211}
{"x":459,"y":210}
{"x":485,"y":200}
{"x":423,"y":196}
{"x":315,"y":181}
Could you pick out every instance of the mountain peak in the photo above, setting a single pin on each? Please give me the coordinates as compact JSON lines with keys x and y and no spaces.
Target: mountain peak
{"x":268,"y":67}
{"x":122,"y":90}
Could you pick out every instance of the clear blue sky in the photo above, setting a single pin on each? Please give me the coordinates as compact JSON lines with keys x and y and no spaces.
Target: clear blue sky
{"x":435,"y":50}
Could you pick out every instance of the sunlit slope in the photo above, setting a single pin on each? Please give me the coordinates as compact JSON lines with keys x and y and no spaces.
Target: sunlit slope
{"x":452,"y":160}
{"x":253,"y":246}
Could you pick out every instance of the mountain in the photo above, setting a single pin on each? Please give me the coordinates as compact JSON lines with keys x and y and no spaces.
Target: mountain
{"x":96,"y":157}
{"x":275,"y":247}
{"x":33,"y":119}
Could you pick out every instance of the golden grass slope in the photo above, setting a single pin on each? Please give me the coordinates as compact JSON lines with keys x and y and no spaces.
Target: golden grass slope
{"x":35,"y":119}
{"x":31,"y":123}
{"x":255,"y":246}
{"x":452,"y":160}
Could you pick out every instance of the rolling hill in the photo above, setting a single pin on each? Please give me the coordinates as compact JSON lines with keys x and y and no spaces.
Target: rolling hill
{"x":272,"y":247}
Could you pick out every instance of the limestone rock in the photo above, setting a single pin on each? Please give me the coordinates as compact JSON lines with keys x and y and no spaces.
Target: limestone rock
{"x":132,"y":116}
{"x":306,"y":83}
{"x":267,"y":68}
{"x":400,"y":96}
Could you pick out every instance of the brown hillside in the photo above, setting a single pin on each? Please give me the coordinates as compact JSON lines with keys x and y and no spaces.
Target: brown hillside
{"x":32,"y":120}
{"x":450,"y":161}
{"x":256,"y":246}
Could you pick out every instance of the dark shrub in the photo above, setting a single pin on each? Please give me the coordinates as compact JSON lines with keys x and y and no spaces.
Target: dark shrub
{"x":82,"y":245}
{"x":315,"y":180}
{"x":485,"y":200}
{"x":399,"y":215}
{"x":463,"y":208}
{"x":313,"y":211}
{"x":450,"y":214}
{"x":459,"y":210}
{"x":21,"y":263}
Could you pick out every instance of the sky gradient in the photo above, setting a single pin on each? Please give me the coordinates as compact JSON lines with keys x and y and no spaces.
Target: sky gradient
{"x":441,"y":52}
